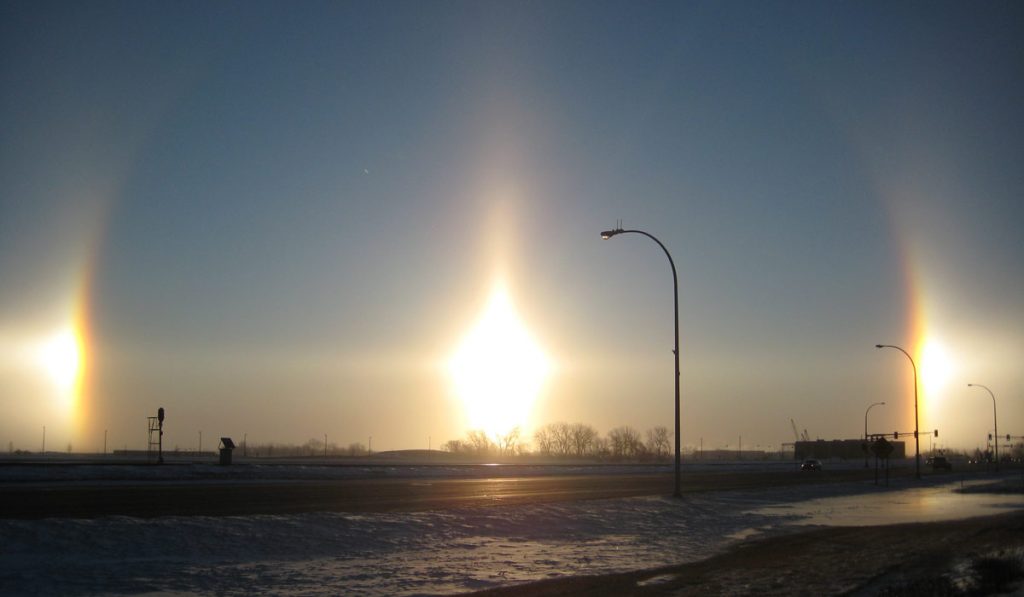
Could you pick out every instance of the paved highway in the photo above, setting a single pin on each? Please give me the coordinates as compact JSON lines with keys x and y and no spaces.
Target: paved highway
{"x":246,"y":497}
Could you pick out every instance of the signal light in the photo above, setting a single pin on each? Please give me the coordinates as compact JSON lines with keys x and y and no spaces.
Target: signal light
{"x":896,"y":435}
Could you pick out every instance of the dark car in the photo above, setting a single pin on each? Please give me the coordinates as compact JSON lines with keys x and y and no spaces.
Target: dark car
{"x":940,"y":463}
{"x":811,"y":464}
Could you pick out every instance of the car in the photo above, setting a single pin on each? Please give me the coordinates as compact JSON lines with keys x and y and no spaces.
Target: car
{"x":811,"y":464}
{"x":940,"y":463}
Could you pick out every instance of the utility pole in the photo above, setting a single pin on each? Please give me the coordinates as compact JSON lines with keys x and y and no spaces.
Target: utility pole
{"x":44,"y":439}
{"x":104,"y":442}
{"x":200,"y":441}
{"x":325,"y":446}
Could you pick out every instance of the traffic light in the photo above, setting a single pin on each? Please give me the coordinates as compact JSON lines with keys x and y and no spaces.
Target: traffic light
{"x":896,"y":435}
{"x":936,"y":433}
{"x":990,"y":437}
{"x":1007,"y":437}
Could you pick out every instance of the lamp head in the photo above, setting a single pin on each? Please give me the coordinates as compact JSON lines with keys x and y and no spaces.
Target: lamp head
{"x":970,"y":385}
{"x":879,"y":346}
{"x":610,"y":233}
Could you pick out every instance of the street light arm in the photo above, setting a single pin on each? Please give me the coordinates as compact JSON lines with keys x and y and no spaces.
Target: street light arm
{"x":675,"y":281}
{"x":912,"y":364}
{"x":873,"y":405}
{"x":675,"y":347}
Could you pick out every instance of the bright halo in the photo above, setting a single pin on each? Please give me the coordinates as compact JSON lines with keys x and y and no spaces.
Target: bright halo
{"x":936,"y":366}
{"x":61,"y":358}
{"x":498,"y":369}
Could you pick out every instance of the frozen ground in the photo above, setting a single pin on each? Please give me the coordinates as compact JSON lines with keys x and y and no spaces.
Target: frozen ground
{"x":441,"y":551}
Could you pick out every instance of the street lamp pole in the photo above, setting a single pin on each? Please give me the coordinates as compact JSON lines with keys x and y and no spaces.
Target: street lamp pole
{"x":675,"y":351}
{"x":995,"y":424}
{"x":917,"y":441}
{"x":866,"y":429}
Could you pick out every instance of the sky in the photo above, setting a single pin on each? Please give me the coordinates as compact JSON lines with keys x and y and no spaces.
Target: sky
{"x":281,"y":221}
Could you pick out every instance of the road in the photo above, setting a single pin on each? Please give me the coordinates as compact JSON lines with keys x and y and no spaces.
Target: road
{"x":237,"y":498}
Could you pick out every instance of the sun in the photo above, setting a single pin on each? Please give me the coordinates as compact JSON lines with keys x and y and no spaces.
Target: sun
{"x":498,"y":369}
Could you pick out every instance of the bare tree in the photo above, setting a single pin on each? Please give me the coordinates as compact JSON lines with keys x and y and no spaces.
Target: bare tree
{"x":542,"y":437}
{"x":624,"y":442}
{"x":480,"y":443}
{"x":583,"y":437}
{"x":509,"y":442}
{"x":455,"y":446}
{"x":657,"y":441}
{"x":562,"y":438}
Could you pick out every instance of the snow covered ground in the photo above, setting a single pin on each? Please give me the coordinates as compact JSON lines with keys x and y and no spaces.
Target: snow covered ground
{"x":436,"y":552}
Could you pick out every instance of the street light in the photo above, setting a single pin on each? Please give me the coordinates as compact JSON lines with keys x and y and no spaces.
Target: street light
{"x":675,"y":351}
{"x":866,"y":429}
{"x":995,"y":425}
{"x":917,"y":444}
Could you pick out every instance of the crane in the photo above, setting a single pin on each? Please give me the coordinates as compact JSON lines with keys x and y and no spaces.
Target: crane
{"x":800,"y":437}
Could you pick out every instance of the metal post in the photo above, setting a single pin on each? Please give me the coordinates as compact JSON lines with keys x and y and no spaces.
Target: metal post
{"x":675,"y":351}
{"x":995,"y":422}
{"x":866,"y":431}
{"x":917,"y":440}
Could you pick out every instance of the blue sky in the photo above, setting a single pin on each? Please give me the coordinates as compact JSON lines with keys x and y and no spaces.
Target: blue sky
{"x":282,"y":217}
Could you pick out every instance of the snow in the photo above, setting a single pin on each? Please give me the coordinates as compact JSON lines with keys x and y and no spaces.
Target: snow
{"x":447,"y":551}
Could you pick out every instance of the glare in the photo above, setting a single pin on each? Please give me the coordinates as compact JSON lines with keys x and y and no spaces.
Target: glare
{"x":61,"y":357}
{"x":498,"y":369}
{"x":936,"y":366}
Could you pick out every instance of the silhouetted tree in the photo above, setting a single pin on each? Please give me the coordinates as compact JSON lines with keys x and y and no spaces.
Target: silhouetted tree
{"x":455,"y":446}
{"x":657,"y":441}
{"x":624,"y":442}
{"x":562,"y":436}
{"x":542,"y":437}
{"x":479,"y":441}
{"x":583,"y":437}
{"x":508,"y":444}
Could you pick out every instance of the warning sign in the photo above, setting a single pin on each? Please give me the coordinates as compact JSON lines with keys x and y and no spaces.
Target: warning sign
{"x":881,"y":448}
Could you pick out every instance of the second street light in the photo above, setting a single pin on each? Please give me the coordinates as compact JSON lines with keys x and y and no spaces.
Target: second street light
{"x":995,"y":422}
{"x":917,"y":445}
{"x":866,"y":430}
{"x":675,"y":329}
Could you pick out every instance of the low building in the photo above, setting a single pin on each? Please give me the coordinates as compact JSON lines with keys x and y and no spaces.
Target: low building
{"x":843,"y":449}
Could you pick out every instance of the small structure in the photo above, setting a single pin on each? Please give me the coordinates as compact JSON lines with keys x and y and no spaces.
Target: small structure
{"x":226,"y":446}
{"x":156,"y":436}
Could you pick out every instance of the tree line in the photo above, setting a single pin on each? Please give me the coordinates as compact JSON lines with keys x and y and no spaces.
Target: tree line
{"x":568,"y":440}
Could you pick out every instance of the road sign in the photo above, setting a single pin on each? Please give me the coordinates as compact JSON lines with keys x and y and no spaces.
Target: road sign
{"x":881,"y":448}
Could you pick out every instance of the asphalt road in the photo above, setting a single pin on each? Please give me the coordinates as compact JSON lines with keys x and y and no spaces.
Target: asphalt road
{"x":236,"y":498}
